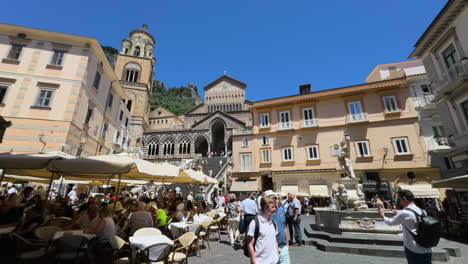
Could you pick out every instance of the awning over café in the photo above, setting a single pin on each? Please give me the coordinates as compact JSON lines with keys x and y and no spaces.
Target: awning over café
{"x":424,"y":190}
{"x":318,"y":190}
{"x":289,"y":189}
{"x":244,"y":186}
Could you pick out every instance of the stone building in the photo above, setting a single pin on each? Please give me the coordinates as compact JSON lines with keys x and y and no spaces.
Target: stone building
{"x":135,"y":69}
{"x":207,"y":127}
{"x":443,"y":48}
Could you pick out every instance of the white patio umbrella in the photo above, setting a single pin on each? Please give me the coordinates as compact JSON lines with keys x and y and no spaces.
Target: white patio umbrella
{"x":455,"y":182}
{"x":209,"y":180}
{"x":34,"y":165}
{"x":122,"y":165}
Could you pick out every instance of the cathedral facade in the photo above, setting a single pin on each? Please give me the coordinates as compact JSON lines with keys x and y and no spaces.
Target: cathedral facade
{"x":206,"y":128}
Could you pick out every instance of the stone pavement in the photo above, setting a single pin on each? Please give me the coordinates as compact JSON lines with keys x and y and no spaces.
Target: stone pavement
{"x":223,"y":253}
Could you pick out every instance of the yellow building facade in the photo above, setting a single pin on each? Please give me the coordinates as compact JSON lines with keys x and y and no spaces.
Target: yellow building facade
{"x":60,"y":93}
{"x":295,"y":140}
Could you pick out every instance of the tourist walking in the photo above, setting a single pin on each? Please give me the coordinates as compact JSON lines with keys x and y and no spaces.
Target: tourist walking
{"x":293,"y":218}
{"x":261,"y":240}
{"x":279,"y":217}
{"x":415,"y":254}
{"x":248,"y":210}
{"x":233,"y":216}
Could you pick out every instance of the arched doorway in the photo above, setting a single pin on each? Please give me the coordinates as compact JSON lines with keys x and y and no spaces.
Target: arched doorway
{"x":201,"y":145}
{"x":217,"y":135}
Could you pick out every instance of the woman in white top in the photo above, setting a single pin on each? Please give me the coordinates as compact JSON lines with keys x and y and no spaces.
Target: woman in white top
{"x":182,"y":215}
{"x":100,"y":246}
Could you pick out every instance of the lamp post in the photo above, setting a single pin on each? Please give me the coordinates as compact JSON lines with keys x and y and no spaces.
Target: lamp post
{"x":41,"y":137}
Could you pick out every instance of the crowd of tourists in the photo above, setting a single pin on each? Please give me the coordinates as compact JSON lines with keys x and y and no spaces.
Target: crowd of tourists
{"x":250,"y":216}
{"x":264,"y":224}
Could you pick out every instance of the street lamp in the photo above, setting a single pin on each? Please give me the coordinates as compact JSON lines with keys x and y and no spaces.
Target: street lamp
{"x":41,"y":137}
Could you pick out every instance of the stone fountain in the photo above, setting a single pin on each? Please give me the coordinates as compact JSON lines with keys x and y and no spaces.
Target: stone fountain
{"x":352,"y":213}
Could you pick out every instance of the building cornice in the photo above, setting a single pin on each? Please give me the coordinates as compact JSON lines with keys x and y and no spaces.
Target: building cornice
{"x":342,"y":91}
{"x":437,"y":27}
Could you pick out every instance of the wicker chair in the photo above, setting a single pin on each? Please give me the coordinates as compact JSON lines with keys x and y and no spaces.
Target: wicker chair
{"x":46,"y":233}
{"x":117,"y":244}
{"x":69,"y":249}
{"x":156,"y":254}
{"x":61,"y":222}
{"x":216,"y":226}
{"x":180,"y":254}
{"x":148,"y":231}
{"x":204,"y":234}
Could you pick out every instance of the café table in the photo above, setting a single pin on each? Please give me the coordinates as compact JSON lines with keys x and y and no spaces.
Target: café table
{"x":6,"y":230}
{"x":142,"y":242}
{"x":179,"y":228}
{"x":60,"y":234}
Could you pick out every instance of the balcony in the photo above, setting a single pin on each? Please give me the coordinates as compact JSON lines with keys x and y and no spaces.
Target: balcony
{"x":439,"y":145}
{"x":357,"y":118}
{"x":284,"y":126}
{"x":242,"y":131}
{"x":310,"y":123}
{"x":424,"y":102}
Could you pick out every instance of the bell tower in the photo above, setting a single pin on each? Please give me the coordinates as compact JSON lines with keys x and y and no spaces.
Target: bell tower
{"x":135,"y":69}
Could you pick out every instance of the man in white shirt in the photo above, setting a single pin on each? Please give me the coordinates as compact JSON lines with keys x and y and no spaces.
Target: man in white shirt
{"x":293,"y":212}
{"x":140,"y":219}
{"x":414,"y":252}
{"x":263,"y":249}
{"x":72,"y":196}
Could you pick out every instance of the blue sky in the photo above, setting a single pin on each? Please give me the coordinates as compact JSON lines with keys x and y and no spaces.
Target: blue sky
{"x":271,"y":45}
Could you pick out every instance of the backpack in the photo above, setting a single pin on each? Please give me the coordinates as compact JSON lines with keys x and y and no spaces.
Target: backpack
{"x":427,"y":231}
{"x":256,"y":234}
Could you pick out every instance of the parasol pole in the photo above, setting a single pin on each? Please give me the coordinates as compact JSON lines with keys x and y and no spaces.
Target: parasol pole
{"x":60,"y":186}
{"x":116,"y":193}
{"x":107,"y":186}
{"x":50,"y":185}
{"x":3,"y":176}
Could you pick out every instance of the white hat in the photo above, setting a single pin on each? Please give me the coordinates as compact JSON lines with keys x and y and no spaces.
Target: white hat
{"x":270,"y":193}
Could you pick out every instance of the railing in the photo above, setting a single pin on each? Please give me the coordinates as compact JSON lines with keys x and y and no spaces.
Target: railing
{"x":242,"y":131}
{"x":455,"y":71}
{"x":178,"y":156}
{"x":284,"y":125}
{"x":442,"y":141}
{"x":310,"y":123}
{"x":424,"y":100}
{"x":357,"y":117}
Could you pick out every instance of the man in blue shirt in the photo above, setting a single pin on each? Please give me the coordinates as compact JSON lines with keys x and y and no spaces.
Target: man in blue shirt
{"x":282,"y":238}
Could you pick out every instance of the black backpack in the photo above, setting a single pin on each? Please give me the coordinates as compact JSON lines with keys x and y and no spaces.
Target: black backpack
{"x":256,"y":234}
{"x":428,"y":230}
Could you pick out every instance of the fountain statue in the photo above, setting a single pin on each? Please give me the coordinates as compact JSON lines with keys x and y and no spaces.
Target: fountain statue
{"x":352,"y":213}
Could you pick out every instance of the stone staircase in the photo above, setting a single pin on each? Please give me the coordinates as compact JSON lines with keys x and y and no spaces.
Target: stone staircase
{"x":381,"y":245}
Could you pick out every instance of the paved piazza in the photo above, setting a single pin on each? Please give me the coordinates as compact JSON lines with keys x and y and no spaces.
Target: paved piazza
{"x":223,"y":253}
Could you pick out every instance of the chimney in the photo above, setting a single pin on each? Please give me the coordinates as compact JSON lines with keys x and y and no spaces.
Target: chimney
{"x":304,"y":88}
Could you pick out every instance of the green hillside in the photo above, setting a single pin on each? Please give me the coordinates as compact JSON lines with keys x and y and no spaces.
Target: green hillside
{"x":175,"y":99}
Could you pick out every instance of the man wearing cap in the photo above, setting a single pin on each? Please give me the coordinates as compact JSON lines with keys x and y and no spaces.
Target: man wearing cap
{"x":279,"y":217}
